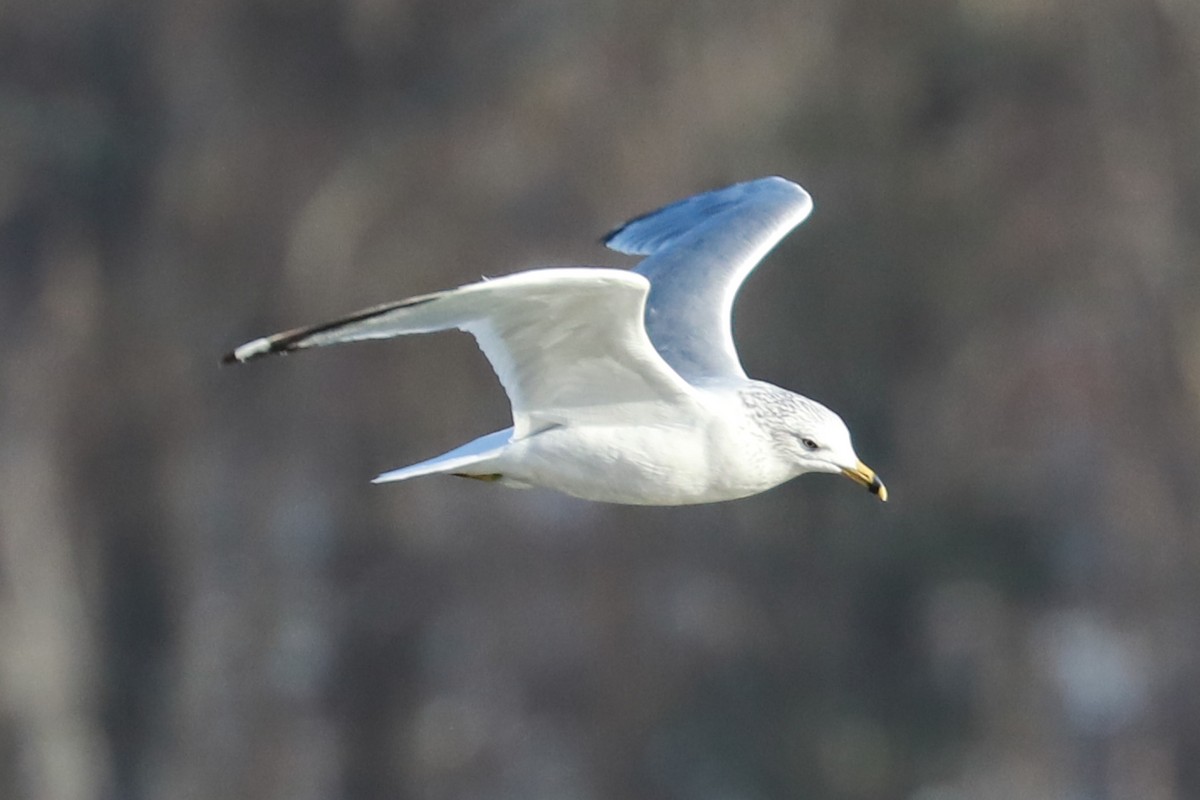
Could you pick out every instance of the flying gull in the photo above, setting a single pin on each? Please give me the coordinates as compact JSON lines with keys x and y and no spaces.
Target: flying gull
{"x":626,"y":386}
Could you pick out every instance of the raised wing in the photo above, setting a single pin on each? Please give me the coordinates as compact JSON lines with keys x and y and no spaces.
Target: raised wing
{"x":562,"y":341}
{"x":700,"y":250}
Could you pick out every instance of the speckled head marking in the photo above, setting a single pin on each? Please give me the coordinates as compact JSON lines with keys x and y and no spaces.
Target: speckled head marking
{"x":807,"y":433}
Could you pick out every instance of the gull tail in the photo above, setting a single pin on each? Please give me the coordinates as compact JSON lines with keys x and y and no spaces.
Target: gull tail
{"x":475,"y":459}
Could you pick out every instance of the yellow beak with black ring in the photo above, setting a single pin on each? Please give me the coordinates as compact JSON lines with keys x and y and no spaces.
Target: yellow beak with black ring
{"x":863,"y":475}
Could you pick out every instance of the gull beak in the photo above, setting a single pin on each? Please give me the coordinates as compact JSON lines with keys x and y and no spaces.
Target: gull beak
{"x":861,"y":474}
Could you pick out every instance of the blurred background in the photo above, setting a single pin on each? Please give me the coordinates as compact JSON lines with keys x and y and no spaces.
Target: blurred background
{"x":201,"y":595}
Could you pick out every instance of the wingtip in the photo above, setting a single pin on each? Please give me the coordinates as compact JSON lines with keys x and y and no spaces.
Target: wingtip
{"x":248,"y":351}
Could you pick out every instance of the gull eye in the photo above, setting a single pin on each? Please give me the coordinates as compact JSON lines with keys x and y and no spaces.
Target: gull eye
{"x":809,"y":444}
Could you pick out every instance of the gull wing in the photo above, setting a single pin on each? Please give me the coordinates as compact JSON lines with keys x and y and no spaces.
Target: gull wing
{"x":700,"y":250}
{"x":566,"y":343}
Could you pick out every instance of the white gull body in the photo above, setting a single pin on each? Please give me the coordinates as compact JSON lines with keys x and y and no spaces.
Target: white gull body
{"x":626,"y":385}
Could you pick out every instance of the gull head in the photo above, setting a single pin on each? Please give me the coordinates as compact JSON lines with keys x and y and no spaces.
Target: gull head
{"x":814,"y":439}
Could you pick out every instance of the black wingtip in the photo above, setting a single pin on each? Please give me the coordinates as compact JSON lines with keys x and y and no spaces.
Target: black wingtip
{"x":607,"y":238}
{"x":300,"y":338}
{"x":256,"y":349}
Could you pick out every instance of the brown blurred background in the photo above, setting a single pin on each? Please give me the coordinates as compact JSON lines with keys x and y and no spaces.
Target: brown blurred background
{"x":201,"y":596}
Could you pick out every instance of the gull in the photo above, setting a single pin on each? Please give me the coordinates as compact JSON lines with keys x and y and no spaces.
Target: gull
{"x":625,"y":385}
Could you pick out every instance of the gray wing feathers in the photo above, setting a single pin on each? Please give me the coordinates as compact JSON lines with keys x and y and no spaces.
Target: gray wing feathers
{"x":657,"y":229}
{"x":562,"y":341}
{"x":700,"y":251}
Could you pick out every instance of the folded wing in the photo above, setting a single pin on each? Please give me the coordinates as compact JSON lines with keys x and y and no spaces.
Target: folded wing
{"x":562,"y":341}
{"x":700,"y":250}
